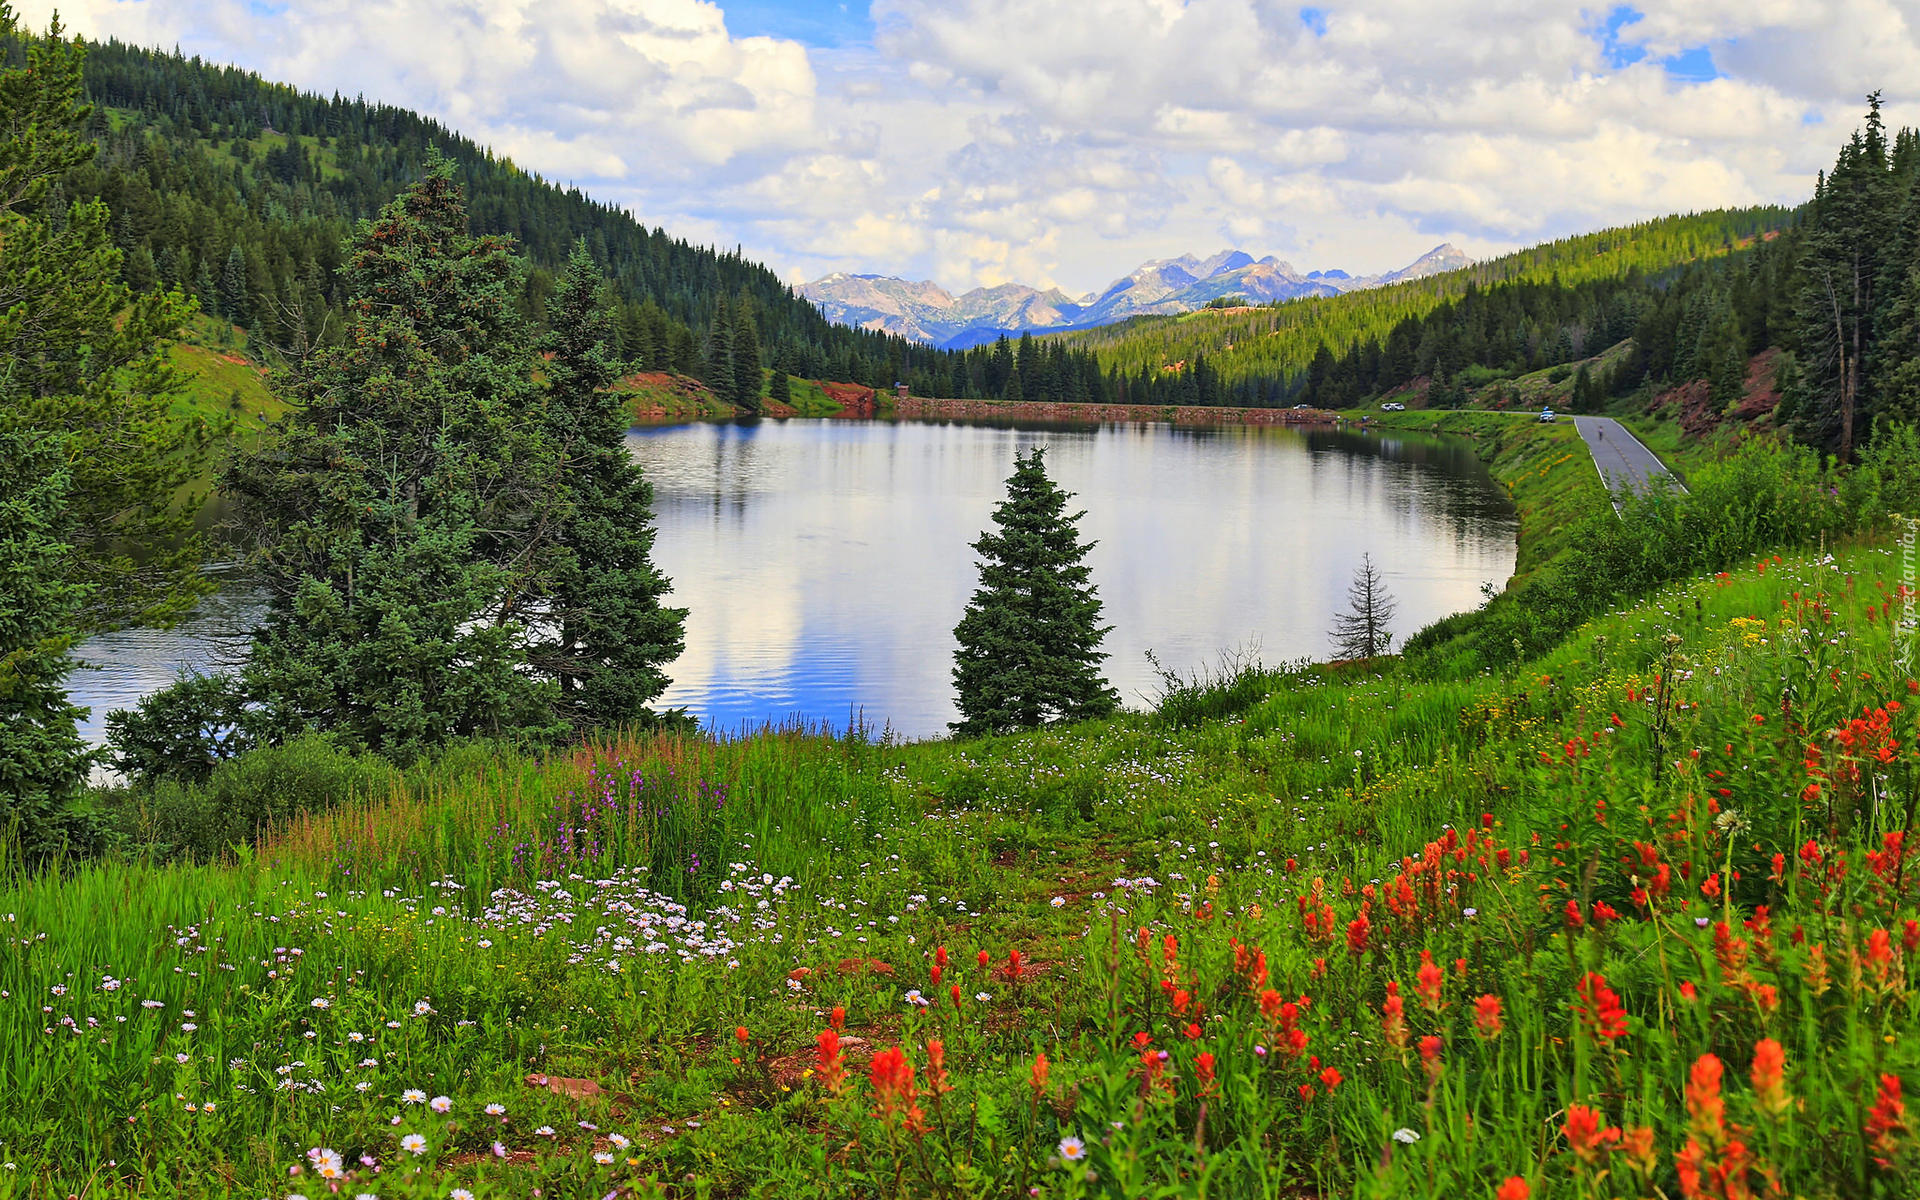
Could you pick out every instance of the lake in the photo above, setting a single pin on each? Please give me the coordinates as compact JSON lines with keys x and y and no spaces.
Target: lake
{"x":826,"y":562}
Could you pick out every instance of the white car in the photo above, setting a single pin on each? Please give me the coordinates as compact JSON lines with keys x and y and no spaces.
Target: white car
{"x":1393,"y":406}
{"x":1547,"y":417}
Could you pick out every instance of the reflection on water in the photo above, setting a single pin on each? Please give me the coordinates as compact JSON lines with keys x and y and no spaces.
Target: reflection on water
{"x":825,"y":563}
{"x":123,"y":666}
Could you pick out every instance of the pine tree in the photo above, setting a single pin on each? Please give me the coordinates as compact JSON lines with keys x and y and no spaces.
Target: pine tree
{"x":609,"y":636}
{"x":1030,"y":639}
{"x":1843,"y":241}
{"x":43,"y":763}
{"x":779,"y":390}
{"x":1366,"y":628}
{"x":235,"y":305}
{"x":83,"y":357}
{"x":397,"y":521}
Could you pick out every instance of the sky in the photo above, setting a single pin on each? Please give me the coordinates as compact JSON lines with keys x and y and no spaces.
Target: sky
{"x":976,"y":142}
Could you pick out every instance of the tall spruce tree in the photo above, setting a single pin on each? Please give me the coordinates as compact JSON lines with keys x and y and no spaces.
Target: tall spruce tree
{"x":95,"y":525}
{"x":1365,"y":629}
{"x":401,"y":519}
{"x":606,"y":635}
{"x":1843,"y":241}
{"x":1030,"y":640}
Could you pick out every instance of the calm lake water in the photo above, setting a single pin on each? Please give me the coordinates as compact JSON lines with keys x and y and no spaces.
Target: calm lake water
{"x":825,"y":563}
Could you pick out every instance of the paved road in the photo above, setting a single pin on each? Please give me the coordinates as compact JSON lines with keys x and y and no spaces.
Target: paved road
{"x":1620,"y":458}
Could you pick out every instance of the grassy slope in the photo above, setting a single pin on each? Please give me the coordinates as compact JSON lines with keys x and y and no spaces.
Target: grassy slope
{"x":893,"y":851}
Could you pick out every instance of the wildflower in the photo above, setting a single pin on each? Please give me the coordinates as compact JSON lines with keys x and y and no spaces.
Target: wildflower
{"x":1769,"y":1077}
{"x":1486,"y":1017}
{"x":1429,"y":983}
{"x":321,"y":1002}
{"x":1600,"y":1012}
{"x":544,"y":1131}
{"x":1072,"y":1149}
{"x":412,"y":1096}
{"x":832,"y":1069}
{"x":740,"y":1035}
{"x":1406,"y":1137}
{"x":1515,"y":1188}
{"x":937,"y":1068}
{"x":413,"y":1143}
{"x":1888,"y":1117}
{"x":1040,"y":1068}
{"x":892,"y":1078}
{"x":496,"y":1110}
{"x":1637,"y":1145}
{"x":1357,"y":932}
{"x":1430,"y":1057}
{"x":1587,"y":1133}
{"x":1393,"y":1022}
{"x":837,"y":1018}
{"x":1203,"y":1071}
{"x":459,"y":1194}
{"x":1330,"y":1079}
{"x":603,"y":1158}
{"x":1706,"y":1109}
{"x":440,"y":1104}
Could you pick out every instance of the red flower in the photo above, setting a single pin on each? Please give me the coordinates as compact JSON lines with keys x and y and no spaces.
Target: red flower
{"x":832,"y":1069}
{"x":1330,"y":1079}
{"x":983,"y":958}
{"x":892,"y":1078}
{"x":1357,"y":931}
{"x":837,"y":1018}
{"x":1601,"y":1011}
{"x":1203,"y":1070}
{"x":1393,"y":1021}
{"x":1486,"y":1017}
{"x":1515,"y":1188}
{"x":1429,"y":983}
{"x":740,"y":1034}
{"x":1706,"y":1109}
{"x":1888,"y":1117}
{"x":940,"y":957}
{"x":1587,"y":1133}
{"x":1040,"y":1069}
{"x":1574,"y":920}
{"x":1769,"y":1077}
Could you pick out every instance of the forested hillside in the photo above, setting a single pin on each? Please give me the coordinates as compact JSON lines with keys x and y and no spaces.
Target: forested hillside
{"x":1836,"y":294}
{"x":242,"y":192}
{"x":1261,"y":356}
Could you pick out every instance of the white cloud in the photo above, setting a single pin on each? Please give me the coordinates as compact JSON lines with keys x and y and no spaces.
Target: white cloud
{"x":984,"y":140}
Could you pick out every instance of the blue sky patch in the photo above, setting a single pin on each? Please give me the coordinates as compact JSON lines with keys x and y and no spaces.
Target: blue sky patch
{"x":812,"y":22}
{"x":1315,"y":19}
{"x":1618,"y":53}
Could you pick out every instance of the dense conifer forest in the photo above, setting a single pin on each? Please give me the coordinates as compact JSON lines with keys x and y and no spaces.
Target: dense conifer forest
{"x":242,"y":192}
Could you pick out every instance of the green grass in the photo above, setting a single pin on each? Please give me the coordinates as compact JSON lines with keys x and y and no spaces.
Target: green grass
{"x":820,"y":872}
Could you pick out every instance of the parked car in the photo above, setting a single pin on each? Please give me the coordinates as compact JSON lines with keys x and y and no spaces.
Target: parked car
{"x":1546,"y":416}
{"x":1303,"y":408}
{"x":1393,"y":406}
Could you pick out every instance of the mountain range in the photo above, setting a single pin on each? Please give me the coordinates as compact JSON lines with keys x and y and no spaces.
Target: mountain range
{"x":927,"y":312}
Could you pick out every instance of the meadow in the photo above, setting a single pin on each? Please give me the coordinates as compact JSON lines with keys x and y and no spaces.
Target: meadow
{"x":1636,"y":920}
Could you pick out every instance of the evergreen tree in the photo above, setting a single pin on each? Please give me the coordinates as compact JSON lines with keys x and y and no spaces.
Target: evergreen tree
{"x":1030,"y":640}
{"x":43,"y":763}
{"x":779,"y":390}
{"x":609,"y":636}
{"x":1366,"y":628}
{"x":746,"y":357}
{"x":397,"y":521}
{"x":1842,"y":245}
{"x":82,"y":357}
{"x":235,"y":305}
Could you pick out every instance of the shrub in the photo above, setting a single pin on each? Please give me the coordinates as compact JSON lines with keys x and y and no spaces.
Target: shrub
{"x":248,"y":796}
